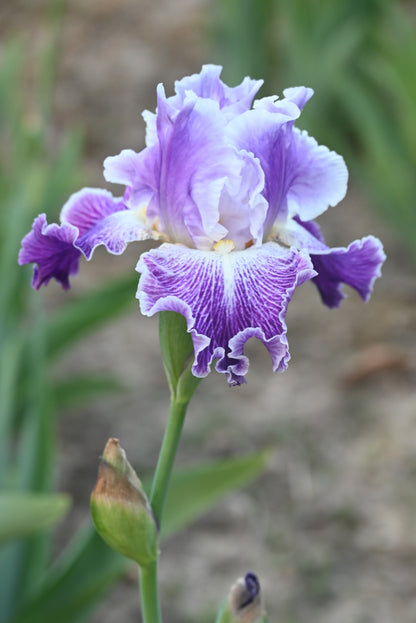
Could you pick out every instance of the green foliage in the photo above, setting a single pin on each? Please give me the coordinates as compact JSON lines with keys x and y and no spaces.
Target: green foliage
{"x":75,"y":583}
{"x":39,"y":170}
{"x":359,"y":57}
{"x":88,"y":567}
{"x":23,"y":514}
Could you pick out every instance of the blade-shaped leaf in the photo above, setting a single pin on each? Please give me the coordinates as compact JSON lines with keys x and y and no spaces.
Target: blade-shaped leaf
{"x":24,"y":514}
{"x":76,"y":582}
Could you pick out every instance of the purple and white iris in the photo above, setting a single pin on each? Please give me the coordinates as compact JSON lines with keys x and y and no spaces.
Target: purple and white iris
{"x":231,"y":192}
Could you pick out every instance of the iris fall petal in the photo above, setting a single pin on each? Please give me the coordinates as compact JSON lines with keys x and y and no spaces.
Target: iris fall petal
{"x":226,"y":299}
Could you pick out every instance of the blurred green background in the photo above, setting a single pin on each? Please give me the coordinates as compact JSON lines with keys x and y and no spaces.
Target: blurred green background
{"x":331,"y":524}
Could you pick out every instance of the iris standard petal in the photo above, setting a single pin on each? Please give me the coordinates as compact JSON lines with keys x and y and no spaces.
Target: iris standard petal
{"x":226,"y":299}
{"x":318,"y":177}
{"x":51,"y":247}
{"x":103,"y":219}
{"x":302,"y":178}
{"x":207,"y":84}
{"x":138,"y":172}
{"x":242,"y":207}
{"x":195,"y":163}
{"x":265,"y":135}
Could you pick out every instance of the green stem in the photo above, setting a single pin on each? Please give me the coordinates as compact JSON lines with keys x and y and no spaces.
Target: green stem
{"x":148,"y":575}
{"x":149,"y":593}
{"x":167,"y":457}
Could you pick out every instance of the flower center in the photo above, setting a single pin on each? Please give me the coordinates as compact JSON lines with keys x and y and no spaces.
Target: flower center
{"x":224,"y":246}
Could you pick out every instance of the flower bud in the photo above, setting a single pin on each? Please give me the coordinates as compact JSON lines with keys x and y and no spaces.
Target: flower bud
{"x":244,"y":603}
{"x":120,"y":509}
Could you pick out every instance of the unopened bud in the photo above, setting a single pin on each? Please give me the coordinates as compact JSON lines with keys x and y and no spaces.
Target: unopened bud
{"x":120,"y":509}
{"x":244,"y":603}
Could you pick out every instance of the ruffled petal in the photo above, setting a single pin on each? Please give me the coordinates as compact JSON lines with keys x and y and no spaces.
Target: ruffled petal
{"x":298,"y":95}
{"x":193,"y":178}
{"x":242,"y":206}
{"x":207,"y":84}
{"x":138,"y":172}
{"x":51,"y":247}
{"x":194,"y":167}
{"x":318,"y":177}
{"x":102,"y":219}
{"x":226,"y":300}
{"x":90,"y":217}
{"x":302,"y":178}
{"x":358,"y":265}
{"x":266,"y":134}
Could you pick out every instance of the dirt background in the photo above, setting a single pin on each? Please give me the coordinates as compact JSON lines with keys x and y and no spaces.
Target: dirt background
{"x":329,"y":528}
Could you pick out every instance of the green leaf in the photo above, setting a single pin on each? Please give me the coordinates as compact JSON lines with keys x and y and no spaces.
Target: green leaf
{"x":195,"y":490}
{"x":24,"y":514}
{"x":76,"y":582}
{"x":26,"y":559}
{"x":10,"y":353}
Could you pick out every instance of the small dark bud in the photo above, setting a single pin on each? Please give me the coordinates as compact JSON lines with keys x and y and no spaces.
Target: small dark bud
{"x":244,"y":603}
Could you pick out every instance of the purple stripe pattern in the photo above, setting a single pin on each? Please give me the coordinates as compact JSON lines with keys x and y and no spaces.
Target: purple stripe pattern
{"x":231,"y":188}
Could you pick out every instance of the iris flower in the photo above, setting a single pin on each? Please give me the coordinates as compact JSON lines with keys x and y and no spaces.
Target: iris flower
{"x":231,"y":191}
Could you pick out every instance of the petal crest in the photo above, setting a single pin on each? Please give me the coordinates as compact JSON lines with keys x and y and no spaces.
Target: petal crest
{"x":226,"y":300}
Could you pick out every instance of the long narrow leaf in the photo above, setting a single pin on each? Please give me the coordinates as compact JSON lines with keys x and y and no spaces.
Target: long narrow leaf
{"x":11,"y":348}
{"x":24,"y":561}
{"x":76,"y":583}
{"x":23,"y":514}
